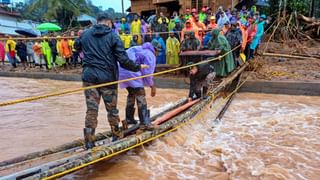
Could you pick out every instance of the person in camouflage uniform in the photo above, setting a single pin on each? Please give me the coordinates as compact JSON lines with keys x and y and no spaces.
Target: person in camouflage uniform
{"x":103,"y":50}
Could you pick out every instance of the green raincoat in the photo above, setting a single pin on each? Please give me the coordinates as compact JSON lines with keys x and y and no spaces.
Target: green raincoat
{"x":202,"y":17}
{"x":46,"y":50}
{"x":173,"y":49}
{"x":219,"y":42}
{"x":172,"y":25}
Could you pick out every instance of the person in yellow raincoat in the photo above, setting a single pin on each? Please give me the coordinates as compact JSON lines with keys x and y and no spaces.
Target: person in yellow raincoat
{"x":173,"y":49}
{"x":59,"y":46}
{"x":136,"y":29}
{"x":10,"y":50}
{"x":46,"y":50}
{"x":125,"y":38}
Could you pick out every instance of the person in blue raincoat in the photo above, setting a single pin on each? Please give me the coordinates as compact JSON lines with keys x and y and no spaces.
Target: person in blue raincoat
{"x":144,"y":54}
{"x":161,"y":57}
{"x":260,"y":30}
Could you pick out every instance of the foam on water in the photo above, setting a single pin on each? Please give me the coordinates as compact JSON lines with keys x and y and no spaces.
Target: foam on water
{"x":260,"y":137}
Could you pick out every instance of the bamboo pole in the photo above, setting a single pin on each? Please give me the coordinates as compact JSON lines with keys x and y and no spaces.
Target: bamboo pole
{"x":72,"y":145}
{"x":131,"y":141}
{"x":52,"y":168}
{"x":288,"y":56}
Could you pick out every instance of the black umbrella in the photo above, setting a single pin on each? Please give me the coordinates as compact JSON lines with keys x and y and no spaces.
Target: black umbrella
{"x":27,"y":32}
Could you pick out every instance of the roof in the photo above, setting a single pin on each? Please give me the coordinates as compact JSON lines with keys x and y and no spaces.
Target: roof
{"x":8,"y":13}
{"x":9,"y":27}
{"x":129,"y":9}
{"x":85,"y":18}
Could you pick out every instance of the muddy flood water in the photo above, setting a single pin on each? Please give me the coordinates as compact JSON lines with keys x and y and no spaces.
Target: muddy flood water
{"x":261,"y":136}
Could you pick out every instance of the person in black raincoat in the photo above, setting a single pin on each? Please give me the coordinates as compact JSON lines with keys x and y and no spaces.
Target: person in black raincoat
{"x":234,"y":37}
{"x":103,"y":50}
{"x":201,"y":78}
{"x":21,"y":48}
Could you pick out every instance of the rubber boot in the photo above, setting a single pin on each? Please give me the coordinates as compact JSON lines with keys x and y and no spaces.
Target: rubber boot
{"x":205,"y":92}
{"x":89,"y":137}
{"x":145,"y":121}
{"x":130,"y":116}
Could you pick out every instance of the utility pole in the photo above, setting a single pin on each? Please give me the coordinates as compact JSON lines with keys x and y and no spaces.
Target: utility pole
{"x":122,"y":7}
{"x":312,"y":8}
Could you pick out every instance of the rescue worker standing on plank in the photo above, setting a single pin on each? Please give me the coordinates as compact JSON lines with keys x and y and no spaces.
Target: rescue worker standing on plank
{"x":144,"y":54}
{"x":201,"y":81}
{"x":102,"y":50}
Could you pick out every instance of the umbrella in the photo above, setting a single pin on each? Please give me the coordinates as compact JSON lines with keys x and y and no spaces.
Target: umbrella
{"x":48,"y":27}
{"x":27,"y":32}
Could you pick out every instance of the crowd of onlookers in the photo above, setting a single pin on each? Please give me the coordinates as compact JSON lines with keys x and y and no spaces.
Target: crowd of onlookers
{"x":48,"y":52}
{"x":222,"y":30}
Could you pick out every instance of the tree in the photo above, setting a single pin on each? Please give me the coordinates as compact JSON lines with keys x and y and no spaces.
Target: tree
{"x":64,"y":12}
{"x":301,"y":6}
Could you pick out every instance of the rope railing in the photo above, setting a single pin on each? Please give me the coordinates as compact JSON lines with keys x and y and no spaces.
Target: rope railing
{"x":199,"y":116}
{"x":75,"y":37}
{"x":71,"y":91}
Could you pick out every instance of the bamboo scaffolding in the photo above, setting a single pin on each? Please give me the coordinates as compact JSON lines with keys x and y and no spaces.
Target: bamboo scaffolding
{"x":72,"y":146}
{"x":288,"y":56}
{"x":131,"y":141}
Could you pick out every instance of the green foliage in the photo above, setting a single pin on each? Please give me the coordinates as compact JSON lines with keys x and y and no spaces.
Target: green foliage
{"x":64,"y":12}
{"x":301,"y":6}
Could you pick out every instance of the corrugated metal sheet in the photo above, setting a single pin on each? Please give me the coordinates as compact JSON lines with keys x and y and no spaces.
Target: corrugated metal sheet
{"x":9,"y":27}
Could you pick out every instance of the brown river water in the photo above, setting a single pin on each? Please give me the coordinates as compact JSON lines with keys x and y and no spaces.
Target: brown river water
{"x":261,"y":136}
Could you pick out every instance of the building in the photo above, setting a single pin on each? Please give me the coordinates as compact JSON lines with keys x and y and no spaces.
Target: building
{"x":11,"y":21}
{"x":148,"y":7}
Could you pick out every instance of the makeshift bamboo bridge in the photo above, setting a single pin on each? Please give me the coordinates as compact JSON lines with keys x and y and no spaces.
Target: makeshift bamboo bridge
{"x":64,"y":159}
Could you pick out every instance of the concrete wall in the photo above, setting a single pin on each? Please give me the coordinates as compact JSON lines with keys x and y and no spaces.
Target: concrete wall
{"x":175,"y":83}
{"x":283,"y":87}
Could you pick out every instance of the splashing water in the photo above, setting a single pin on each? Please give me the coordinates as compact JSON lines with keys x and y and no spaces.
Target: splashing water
{"x":260,"y":137}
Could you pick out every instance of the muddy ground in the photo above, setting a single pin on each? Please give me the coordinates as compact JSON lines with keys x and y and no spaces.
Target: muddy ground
{"x":288,"y":69}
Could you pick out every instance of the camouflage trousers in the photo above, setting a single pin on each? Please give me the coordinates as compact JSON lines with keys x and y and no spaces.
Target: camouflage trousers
{"x":93,"y":97}
{"x":136,"y":94}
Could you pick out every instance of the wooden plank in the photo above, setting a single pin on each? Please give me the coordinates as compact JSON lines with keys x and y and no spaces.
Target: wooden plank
{"x":59,"y":166}
{"x":200,"y":53}
{"x":68,"y":146}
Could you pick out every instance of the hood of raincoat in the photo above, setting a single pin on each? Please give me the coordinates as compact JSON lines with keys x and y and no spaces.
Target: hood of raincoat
{"x":100,"y":30}
{"x":215,"y":33}
{"x":148,"y":46}
{"x":142,"y":55}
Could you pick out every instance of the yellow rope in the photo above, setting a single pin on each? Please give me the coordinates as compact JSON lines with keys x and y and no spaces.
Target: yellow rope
{"x":197,"y":117}
{"x":28,"y":99}
{"x":282,"y":73}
